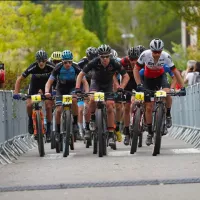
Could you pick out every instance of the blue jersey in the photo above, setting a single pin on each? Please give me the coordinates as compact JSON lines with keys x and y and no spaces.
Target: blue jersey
{"x":166,"y":68}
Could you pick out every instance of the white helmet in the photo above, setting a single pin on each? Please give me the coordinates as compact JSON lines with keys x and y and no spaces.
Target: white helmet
{"x":156,"y":45}
{"x":114,"y":53}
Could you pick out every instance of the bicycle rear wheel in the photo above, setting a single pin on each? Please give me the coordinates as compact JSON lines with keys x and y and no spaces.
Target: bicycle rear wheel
{"x":95,"y":141}
{"x":66,"y":134}
{"x":159,"y":123}
{"x":71,"y":136}
{"x":40,"y":135}
{"x":136,"y":130}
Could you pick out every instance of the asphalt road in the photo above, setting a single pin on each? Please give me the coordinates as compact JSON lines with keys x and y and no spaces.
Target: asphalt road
{"x":86,"y":176}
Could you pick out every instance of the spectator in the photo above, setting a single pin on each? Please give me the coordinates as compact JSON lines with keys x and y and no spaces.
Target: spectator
{"x":2,"y":75}
{"x":189,"y":72}
{"x":196,"y":73}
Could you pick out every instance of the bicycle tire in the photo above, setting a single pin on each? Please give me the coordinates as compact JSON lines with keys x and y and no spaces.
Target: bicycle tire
{"x":66,"y":134}
{"x":158,"y":129}
{"x":95,"y":141}
{"x":71,"y":136}
{"x":40,"y":135}
{"x":100,"y":132}
{"x":136,"y":130}
{"x":140,"y":140}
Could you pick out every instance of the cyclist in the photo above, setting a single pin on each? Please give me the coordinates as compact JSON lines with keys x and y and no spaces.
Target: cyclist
{"x":152,"y":60}
{"x":55,"y":57}
{"x":65,"y":73}
{"x":102,"y":80}
{"x":91,"y":53}
{"x":128,"y":63}
{"x":40,"y":71}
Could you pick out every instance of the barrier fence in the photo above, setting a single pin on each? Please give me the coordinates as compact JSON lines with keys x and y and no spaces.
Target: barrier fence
{"x":186,"y":116}
{"x":14,"y":138}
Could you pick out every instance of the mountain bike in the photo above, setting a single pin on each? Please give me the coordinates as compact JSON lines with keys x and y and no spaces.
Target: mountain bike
{"x":66,"y":136}
{"x":38,"y":120}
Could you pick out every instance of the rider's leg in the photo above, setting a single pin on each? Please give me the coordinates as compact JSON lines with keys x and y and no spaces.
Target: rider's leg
{"x":29,"y":107}
{"x":58,"y":116}
{"x":48,"y":106}
{"x":118,"y":107}
{"x":80,"y":117}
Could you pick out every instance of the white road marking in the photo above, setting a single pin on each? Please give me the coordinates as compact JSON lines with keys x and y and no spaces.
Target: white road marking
{"x":57,"y":156}
{"x":185,"y":151}
{"x":119,"y":153}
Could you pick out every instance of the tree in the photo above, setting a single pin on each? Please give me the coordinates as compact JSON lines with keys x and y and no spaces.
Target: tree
{"x":92,"y":18}
{"x":26,"y":28}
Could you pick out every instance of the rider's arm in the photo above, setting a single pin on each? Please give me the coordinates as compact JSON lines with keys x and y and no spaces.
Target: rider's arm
{"x":48,"y":85}
{"x":124,"y":74}
{"x":178,"y":76}
{"x":17,"y":84}
{"x":136,"y":73}
{"x":173,"y":83}
{"x":85,"y":85}
{"x":115,"y":81}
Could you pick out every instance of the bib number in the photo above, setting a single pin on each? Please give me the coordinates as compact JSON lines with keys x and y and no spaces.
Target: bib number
{"x":36,"y":98}
{"x":67,"y":99}
{"x":99,"y":96}
{"x":139,"y":96}
{"x":160,"y":93}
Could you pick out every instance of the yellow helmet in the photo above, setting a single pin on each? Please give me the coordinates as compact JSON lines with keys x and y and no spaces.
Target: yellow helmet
{"x":56,"y":55}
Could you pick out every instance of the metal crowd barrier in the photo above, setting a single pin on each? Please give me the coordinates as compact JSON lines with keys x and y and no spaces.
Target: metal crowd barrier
{"x":14,"y":138}
{"x":186,"y":116}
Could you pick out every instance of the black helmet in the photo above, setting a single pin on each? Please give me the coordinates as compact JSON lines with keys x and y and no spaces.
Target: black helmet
{"x":104,"y":49}
{"x":91,"y":52}
{"x":133,"y":52}
{"x":141,"y":48}
{"x":41,"y":55}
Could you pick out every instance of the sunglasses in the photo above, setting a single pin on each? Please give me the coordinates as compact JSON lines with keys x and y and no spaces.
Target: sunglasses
{"x":43,"y":61}
{"x":67,"y":62}
{"x":157,"y":52}
{"x":108,"y":56}
{"x":133,"y":59}
{"x":56,"y":61}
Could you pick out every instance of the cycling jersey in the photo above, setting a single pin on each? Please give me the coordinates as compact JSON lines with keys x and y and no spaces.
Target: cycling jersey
{"x":127,"y":66}
{"x":104,"y":75}
{"x":166,"y":69}
{"x":66,"y":78}
{"x":152,"y":69}
{"x":39,"y":76}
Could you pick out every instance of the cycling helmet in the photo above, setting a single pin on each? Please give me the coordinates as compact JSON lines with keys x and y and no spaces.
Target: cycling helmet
{"x":104,"y":49}
{"x":133,"y":52}
{"x":156,"y":45}
{"x":41,"y":55}
{"x":141,"y":48}
{"x":56,"y":55}
{"x":67,"y":55}
{"x":114,"y":53}
{"x":91,"y":52}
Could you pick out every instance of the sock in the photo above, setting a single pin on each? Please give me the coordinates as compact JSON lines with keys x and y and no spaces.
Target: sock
{"x":30,"y":120}
{"x":149,"y":127}
{"x":80,"y":125}
{"x":117,"y":126}
{"x":58,"y":128}
{"x":127,"y":130}
{"x":168,"y":112}
{"x":87,"y":125}
{"x":93,"y":117}
{"x":48,"y":127}
{"x":75,"y":119}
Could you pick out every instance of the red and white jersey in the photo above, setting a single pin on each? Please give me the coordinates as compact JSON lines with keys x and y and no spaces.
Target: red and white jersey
{"x":152,"y":69}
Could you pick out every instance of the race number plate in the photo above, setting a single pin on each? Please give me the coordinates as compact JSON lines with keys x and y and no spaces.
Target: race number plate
{"x":139,"y":96}
{"x":36,"y":98}
{"x":67,"y":99}
{"x":99,"y":96}
{"x":160,"y":93}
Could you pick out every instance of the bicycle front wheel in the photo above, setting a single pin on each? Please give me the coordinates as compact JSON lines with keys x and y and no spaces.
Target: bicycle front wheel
{"x":66,"y":134}
{"x":40,"y":135}
{"x":136,"y":130}
{"x":159,"y":123}
{"x":100,"y":132}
